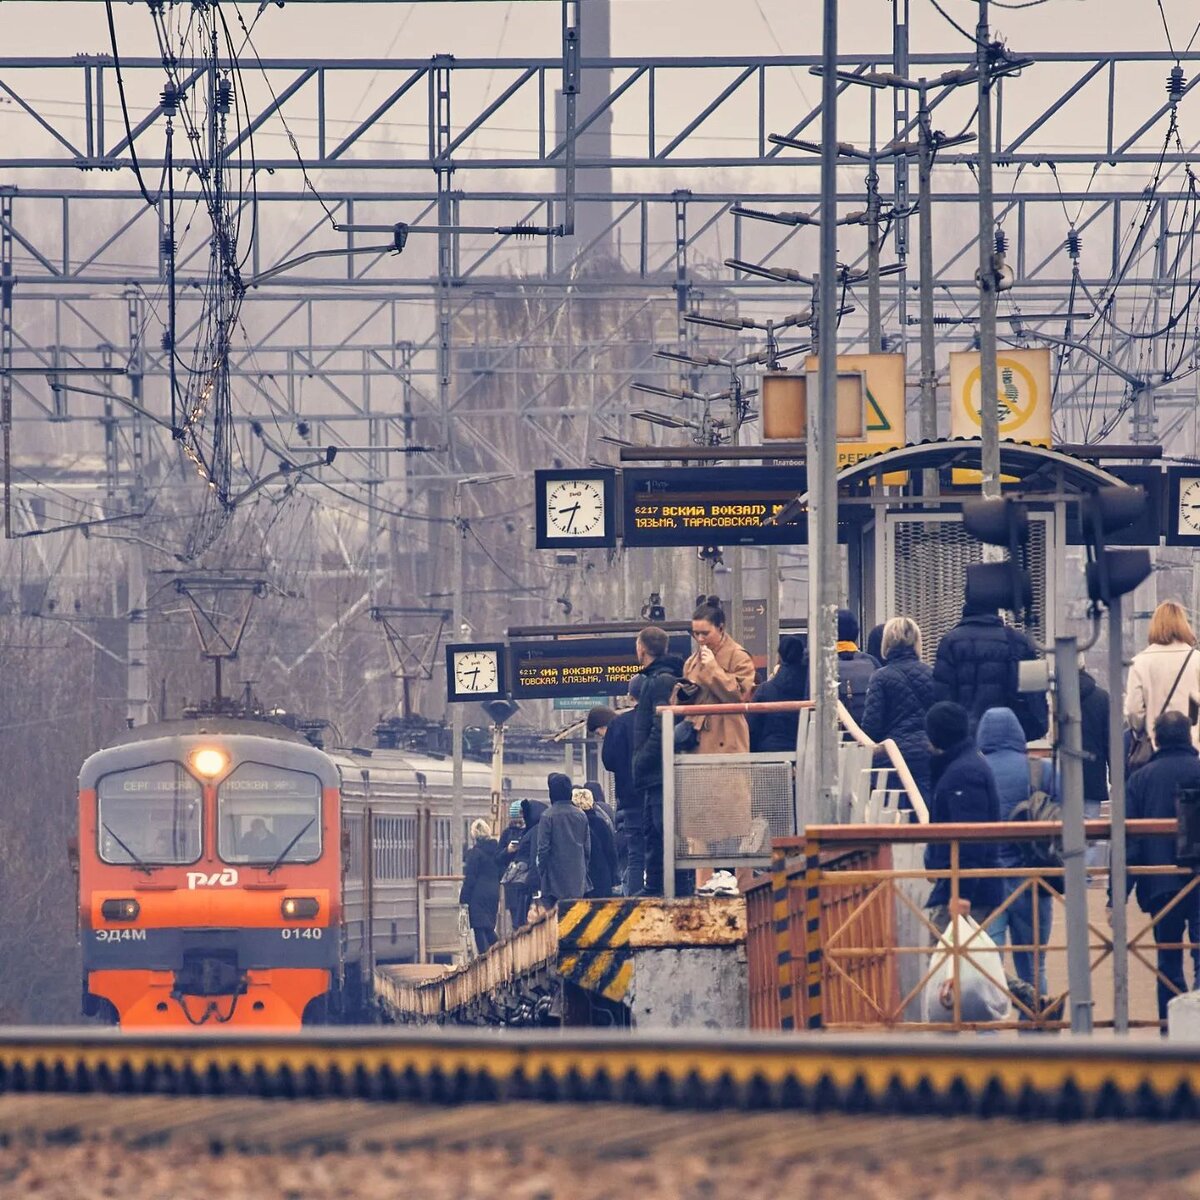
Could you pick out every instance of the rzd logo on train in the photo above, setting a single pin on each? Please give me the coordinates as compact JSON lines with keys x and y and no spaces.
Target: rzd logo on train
{"x":200,"y":879}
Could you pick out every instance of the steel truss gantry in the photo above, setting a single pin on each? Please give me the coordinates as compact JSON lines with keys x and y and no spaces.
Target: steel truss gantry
{"x":389,"y":342}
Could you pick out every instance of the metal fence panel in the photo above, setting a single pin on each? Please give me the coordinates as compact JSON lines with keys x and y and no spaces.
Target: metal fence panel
{"x":729,"y":808}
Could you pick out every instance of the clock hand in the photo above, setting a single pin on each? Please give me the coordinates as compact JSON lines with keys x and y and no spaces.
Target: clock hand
{"x":474,"y":676}
{"x":572,"y":510}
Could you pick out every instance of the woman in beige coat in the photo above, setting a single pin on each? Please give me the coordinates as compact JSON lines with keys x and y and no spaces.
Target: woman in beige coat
{"x":1153,"y":672}
{"x":724,"y":672}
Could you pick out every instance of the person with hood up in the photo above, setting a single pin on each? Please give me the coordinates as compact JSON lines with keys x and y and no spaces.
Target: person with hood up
{"x":1001,"y":741}
{"x":964,"y":790}
{"x":977,"y":667}
{"x":616,"y":753}
{"x":663,"y":672}
{"x":854,"y":667}
{"x":776,"y":731}
{"x":1151,"y":795}
{"x":480,"y":890}
{"x":563,"y":845}
{"x":602,"y":861}
{"x":899,"y":696}
{"x":517,"y":894}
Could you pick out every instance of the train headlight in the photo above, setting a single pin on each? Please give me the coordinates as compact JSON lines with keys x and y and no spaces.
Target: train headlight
{"x":209,"y":761}
{"x":120,"y":910}
{"x":299,"y":908}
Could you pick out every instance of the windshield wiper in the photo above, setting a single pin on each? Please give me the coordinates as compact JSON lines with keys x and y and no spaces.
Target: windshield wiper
{"x":288,"y":848}
{"x":137,"y":861}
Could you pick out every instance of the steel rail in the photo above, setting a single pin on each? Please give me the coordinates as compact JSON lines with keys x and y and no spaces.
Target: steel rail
{"x":1066,"y":1079}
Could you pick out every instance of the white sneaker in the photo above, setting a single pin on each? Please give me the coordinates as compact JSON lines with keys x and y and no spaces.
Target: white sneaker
{"x":721,"y":883}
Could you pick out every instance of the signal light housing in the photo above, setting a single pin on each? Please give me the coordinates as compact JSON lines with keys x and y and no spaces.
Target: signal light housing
{"x":1112,"y":573}
{"x":999,"y":585}
{"x":299,"y":908}
{"x":120,"y":910}
{"x":1001,"y":522}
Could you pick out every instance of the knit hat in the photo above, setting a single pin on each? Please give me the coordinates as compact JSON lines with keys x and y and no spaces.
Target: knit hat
{"x":514,"y":810}
{"x":847,"y":626}
{"x":791,"y":649}
{"x":559,"y":787}
{"x":947,"y":724}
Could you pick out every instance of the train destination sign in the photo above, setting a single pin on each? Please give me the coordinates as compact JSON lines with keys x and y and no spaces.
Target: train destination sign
{"x":690,"y":506}
{"x":584,"y":666}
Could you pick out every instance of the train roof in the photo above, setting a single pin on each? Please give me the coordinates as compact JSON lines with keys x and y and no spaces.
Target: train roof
{"x":209,"y":727}
{"x":403,"y":765}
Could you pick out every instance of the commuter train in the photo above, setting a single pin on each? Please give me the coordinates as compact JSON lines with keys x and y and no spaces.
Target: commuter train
{"x":233,"y":875}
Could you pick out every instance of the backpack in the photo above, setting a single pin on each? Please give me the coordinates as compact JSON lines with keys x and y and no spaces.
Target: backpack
{"x":1041,"y":806}
{"x":854,"y":675}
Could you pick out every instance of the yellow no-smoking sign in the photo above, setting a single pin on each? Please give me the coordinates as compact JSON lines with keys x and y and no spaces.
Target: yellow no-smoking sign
{"x":1022,"y":395}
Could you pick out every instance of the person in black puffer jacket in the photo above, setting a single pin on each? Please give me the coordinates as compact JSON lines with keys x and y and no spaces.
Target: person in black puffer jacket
{"x":977,"y":667}
{"x":899,"y":696}
{"x":776,"y":731}
{"x":663,"y":671}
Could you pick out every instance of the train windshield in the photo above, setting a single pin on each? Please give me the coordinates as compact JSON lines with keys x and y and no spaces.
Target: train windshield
{"x":269,"y":813}
{"x":149,"y":816}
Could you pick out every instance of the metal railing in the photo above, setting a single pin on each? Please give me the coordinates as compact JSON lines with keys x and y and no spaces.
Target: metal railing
{"x":725,"y":809}
{"x":858,"y":948}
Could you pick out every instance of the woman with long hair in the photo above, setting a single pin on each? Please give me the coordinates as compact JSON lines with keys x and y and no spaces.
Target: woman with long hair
{"x":1165,"y":677}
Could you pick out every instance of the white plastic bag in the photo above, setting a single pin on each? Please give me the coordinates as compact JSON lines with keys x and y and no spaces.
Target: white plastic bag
{"x":981,"y":976}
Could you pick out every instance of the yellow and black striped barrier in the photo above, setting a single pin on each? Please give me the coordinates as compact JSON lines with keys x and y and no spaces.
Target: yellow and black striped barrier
{"x":923,"y":1074}
{"x":598,"y":940}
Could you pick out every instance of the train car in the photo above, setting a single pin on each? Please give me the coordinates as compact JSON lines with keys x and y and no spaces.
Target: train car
{"x":210,"y":869}
{"x":232,"y":874}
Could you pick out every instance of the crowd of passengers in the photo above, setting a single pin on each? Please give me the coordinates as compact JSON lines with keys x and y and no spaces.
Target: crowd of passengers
{"x":962,"y":726}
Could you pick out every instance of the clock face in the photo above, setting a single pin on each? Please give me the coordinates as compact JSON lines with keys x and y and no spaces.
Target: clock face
{"x":575,"y":508}
{"x":1189,"y":506}
{"x":476,"y":671}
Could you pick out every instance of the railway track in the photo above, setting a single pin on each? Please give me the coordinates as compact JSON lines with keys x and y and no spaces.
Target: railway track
{"x":1056,"y":1079}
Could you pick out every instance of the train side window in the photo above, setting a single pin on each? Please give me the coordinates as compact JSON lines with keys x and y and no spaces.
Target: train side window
{"x":149,"y":815}
{"x":266,"y":811}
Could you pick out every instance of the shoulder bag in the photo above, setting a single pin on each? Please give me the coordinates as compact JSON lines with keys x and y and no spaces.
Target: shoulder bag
{"x":1141,"y":745}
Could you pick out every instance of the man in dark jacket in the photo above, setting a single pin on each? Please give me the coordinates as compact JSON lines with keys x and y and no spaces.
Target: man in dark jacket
{"x":1150,"y":794}
{"x":616,"y":753}
{"x":976,"y":667}
{"x":662,"y":671}
{"x":518,"y":895}
{"x":854,"y":667}
{"x":777,"y":731}
{"x":1094,"y":735}
{"x":563,"y":844}
{"x":964,"y":790}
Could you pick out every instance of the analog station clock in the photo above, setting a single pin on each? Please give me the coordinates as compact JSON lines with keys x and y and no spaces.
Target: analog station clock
{"x":575,"y":509}
{"x":1183,"y":506}
{"x":475,"y":671}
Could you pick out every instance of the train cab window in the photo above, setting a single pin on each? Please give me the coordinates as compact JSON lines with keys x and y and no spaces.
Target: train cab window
{"x":149,"y":816}
{"x":266,"y":813}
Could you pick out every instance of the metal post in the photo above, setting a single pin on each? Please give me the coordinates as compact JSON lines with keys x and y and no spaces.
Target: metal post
{"x":823,"y":574}
{"x":459,"y":533}
{"x":439,"y":103}
{"x":1116,"y":792}
{"x":772,"y":595}
{"x":874,"y":300}
{"x":989,"y":415}
{"x":137,"y":677}
{"x":6,"y":345}
{"x":929,"y":423}
{"x":668,"y":802}
{"x":1074,"y":842}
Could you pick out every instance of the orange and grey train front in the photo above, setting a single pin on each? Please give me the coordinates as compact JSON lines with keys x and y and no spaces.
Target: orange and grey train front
{"x":209,"y":877}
